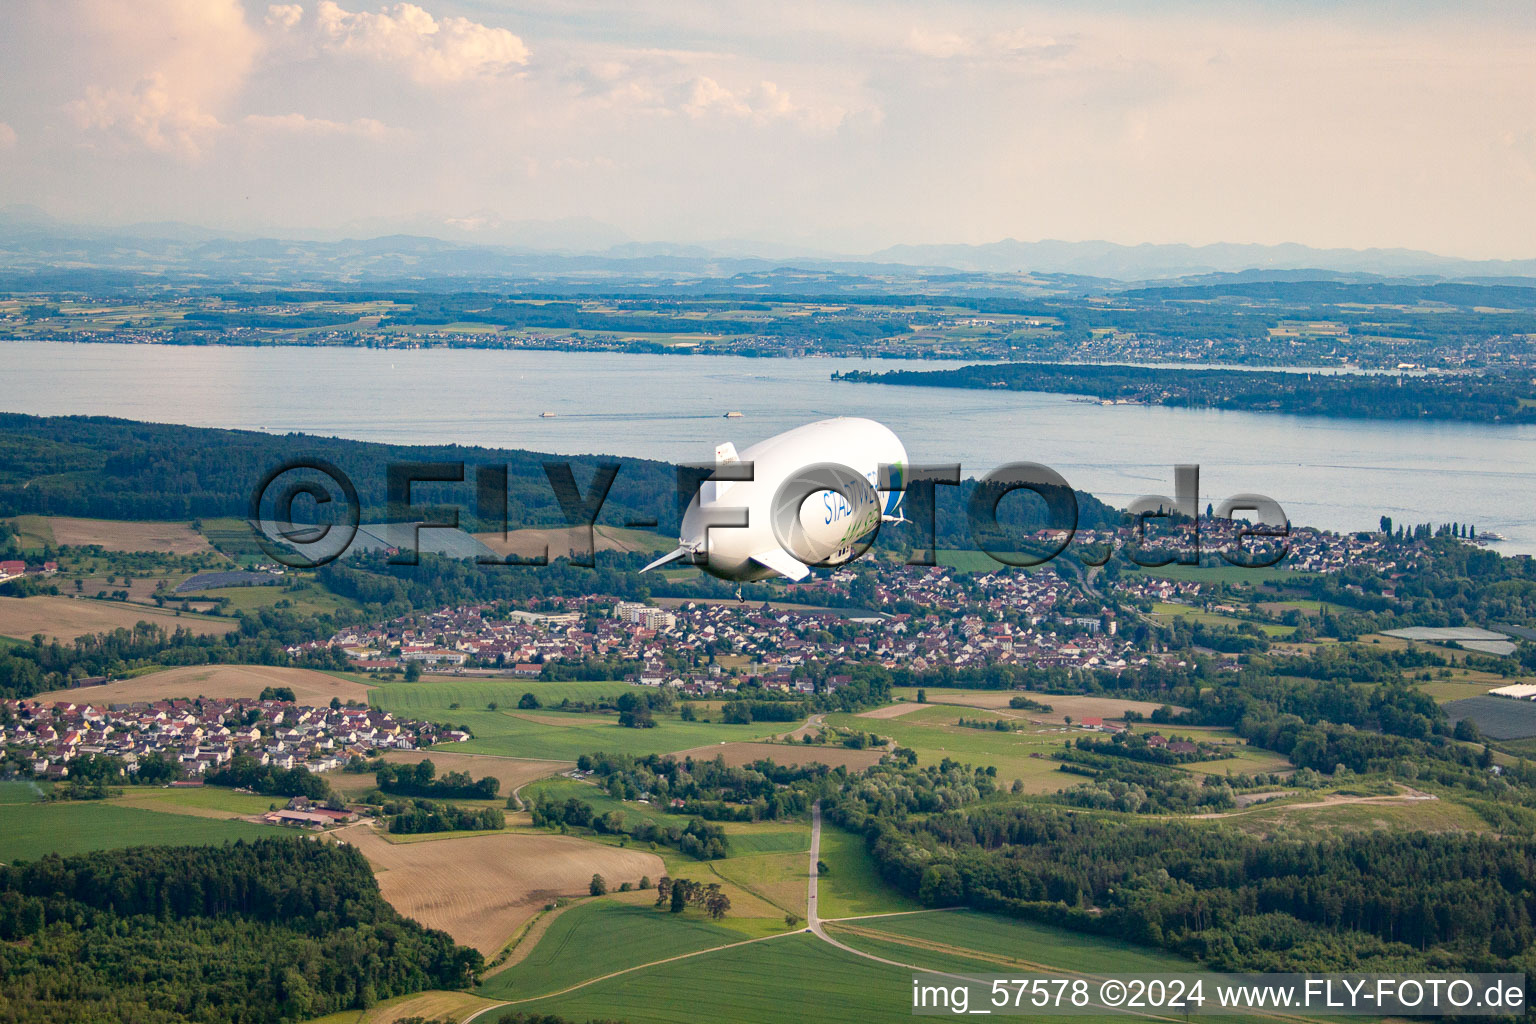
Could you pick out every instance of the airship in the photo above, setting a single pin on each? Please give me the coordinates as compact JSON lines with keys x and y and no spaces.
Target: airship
{"x":815,"y":493}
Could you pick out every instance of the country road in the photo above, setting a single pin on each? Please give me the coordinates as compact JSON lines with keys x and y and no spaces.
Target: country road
{"x":813,"y":919}
{"x":814,"y":925}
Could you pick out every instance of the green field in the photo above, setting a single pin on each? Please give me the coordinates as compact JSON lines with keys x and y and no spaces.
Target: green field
{"x":23,"y":791}
{"x":233,"y":537}
{"x":777,"y":980}
{"x":934,"y":736}
{"x":313,"y":600}
{"x":797,"y":978}
{"x":851,"y":886}
{"x":993,"y":937}
{"x":1246,"y":761}
{"x":1347,"y":819}
{"x":1230,"y":574}
{"x":969,"y":560}
{"x":768,"y":837}
{"x":36,"y":533}
{"x":602,"y":802}
{"x":1216,"y":619}
{"x":434,"y":693}
{"x":29,"y":831}
{"x":601,"y":937}
{"x":764,"y":874}
{"x":557,"y":735}
{"x":208,"y":798}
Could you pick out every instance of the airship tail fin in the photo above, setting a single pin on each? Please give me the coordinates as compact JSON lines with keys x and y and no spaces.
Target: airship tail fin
{"x":671,"y":556}
{"x":783,"y":563}
{"x":726,"y":453}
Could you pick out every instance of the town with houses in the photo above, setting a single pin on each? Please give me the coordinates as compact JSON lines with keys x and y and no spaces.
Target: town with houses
{"x":200,"y":735}
{"x":919,"y":618}
{"x":1004,"y":618}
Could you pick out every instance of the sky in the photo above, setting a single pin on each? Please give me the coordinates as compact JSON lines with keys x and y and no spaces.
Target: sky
{"x":840,"y":127}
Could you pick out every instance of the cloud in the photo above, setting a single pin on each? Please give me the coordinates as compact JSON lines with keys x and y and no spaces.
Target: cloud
{"x":432,"y":50}
{"x":170,"y":66}
{"x":302,"y":124}
{"x":285,"y":15}
{"x":992,"y":46}
{"x":766,"y":102}
{"x":705,"y":96}
{"x":7,"y":136}
{"x":152,"y":111}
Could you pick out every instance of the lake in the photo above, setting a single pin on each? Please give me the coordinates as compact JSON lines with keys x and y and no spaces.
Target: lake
{"x":1334,"y":473}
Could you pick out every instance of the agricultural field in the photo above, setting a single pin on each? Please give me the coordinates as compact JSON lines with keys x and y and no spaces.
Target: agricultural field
{"x":117,"y":535}
{"x":933,"y":734}
{"x":65,"y":618}
{"x":550,"y":735}
{"x":310,"y":600}
{"x":441,"y":692}
{"x":233,"y":538}
{"x":1107,"y":708}
{"x":766,"y":982}
{"x":1446,"y":690}
{"x":141,"y":588}
{"x":29,"y":831}
{"x":968,"y":560}
{"x":739,"y":754}
{"x":1228,"y":574}
{"x":893,"y":710}
{"x":851,"y":886}
{"x":1342,"y":814}
{"x":309,"y":686}
{"x":35,"y":532}
{"x":765,"y":873}
{"x":511,"y":772}
{"x":1498,"y":718}
{"x":24,"y":791}
{"x":197,"y":801}
{"x":970,"y":940}
{"x":435,"y":1005}
{"x":1162,"y":610}
{"x":599,"y":937}
{"x":480,"y":889}
{"x":533,"y":543}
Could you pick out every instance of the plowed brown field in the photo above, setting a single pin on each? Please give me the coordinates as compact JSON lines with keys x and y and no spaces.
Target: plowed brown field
{"x":480,"y":889}
{"x":512,"y":772}
{"x":309,"y":687}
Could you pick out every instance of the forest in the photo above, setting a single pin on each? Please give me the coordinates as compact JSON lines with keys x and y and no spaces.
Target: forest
{"x":1374,"y":901}
{"x":1481,"y":398}
{"x":99,"y":467}
{"x":274,"y":930}
{"x":1371,"y":901}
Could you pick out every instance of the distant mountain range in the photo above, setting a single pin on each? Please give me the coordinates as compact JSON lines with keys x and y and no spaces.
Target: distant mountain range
{"x":582,"y":250}
{"x":1154,"y":262}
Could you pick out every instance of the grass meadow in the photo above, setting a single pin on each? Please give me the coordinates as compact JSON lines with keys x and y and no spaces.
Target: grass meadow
{"x":30,"y":831}
{"x":550,"y":734}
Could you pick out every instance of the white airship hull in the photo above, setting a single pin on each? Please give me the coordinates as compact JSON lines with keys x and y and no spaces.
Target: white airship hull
{"x":829,"y":463}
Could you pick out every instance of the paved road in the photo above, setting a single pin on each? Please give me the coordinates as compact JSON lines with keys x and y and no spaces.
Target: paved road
{"x":814,"y":722}
{"x":814,"y":920}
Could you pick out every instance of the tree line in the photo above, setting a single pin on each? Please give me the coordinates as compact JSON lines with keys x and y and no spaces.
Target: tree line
{"x":245,"y":933}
